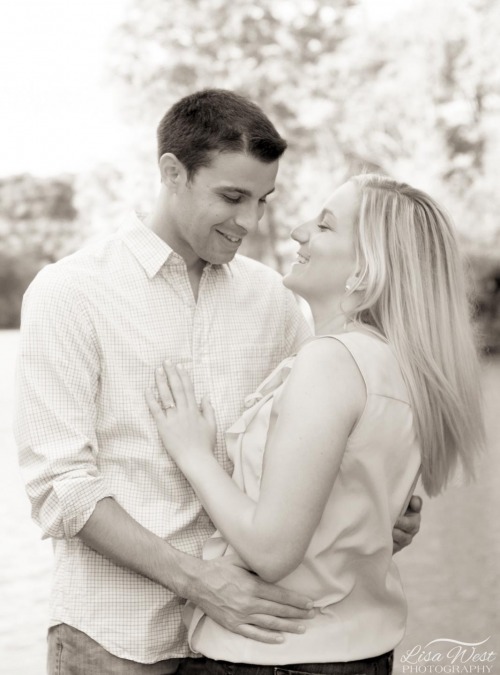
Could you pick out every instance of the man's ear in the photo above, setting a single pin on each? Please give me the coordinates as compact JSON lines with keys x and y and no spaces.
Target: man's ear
{"x":172,"y":171}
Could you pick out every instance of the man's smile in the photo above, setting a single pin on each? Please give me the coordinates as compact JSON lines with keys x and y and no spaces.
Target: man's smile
{"x":230,"y":237}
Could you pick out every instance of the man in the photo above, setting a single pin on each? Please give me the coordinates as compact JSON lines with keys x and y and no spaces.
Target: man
{"x":126,"y":526}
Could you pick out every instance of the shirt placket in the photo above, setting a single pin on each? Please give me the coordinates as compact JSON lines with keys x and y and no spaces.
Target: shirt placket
{"x":175,"y":274}
{"x":204,"y":350}
{"x":200,"y":345}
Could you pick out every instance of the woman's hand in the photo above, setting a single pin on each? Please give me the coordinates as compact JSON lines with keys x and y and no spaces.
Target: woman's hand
{"x":187,"y":432}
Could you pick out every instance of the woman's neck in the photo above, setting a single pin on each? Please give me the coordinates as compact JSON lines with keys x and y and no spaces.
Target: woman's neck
{"x":332,"y":317}
{"x":328,"y":321}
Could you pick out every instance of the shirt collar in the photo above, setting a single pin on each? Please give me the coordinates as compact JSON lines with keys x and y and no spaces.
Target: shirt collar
{"x":147,"y":247}
{"x":151,"y":251}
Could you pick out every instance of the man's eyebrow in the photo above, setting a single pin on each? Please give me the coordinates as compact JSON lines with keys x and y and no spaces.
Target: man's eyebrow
{"x":242,"y":191}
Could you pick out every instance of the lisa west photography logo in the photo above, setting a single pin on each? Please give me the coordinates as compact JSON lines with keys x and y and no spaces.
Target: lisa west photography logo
{"x":445,"y":655}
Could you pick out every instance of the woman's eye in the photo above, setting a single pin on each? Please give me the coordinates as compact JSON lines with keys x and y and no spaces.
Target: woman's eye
{"x":322,"y":226}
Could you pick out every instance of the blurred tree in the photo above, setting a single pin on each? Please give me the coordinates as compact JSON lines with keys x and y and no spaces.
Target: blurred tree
{"x":16,"y":274}
{"x":424,"y":103}
{"x":486,"y":272}
{"x":38,"y":217}
{"x":38,"y":225}
{"x":25,"y":197}
{"x":101,"y":199}
{"x":469,"y":117}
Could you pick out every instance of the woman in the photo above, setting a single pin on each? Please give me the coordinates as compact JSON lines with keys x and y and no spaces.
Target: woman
{"x":328,"y":454}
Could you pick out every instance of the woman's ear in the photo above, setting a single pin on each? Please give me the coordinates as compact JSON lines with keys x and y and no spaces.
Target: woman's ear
{"x":173,"y":172}
{"x":354,"y":283}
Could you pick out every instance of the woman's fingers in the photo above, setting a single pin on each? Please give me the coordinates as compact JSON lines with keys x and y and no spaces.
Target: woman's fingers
{"x":259,"y":634}
{"x":162,"y":385}
{"x":175,"y":387}
{"x":175,"y":384}
{"x":273,"y":623}
{"x":153,"y":405}
{"x":208,"y":412}
{"x":187,"y":383}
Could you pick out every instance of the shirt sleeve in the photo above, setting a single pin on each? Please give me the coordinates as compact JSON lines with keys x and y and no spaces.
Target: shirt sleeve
{"x":297,"y":328}
{"x":57,"y":382}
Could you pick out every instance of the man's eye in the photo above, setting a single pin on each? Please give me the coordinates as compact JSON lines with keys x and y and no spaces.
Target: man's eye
{"x":322,"y":226}
{"x":231,"y":200}
{"x":263,"y":201}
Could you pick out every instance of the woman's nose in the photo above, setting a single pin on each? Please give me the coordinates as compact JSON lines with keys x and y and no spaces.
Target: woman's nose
{"x":301,"y":233}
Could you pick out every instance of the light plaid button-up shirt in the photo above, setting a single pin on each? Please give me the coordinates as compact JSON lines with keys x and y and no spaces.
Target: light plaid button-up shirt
{"x":95,"y":326}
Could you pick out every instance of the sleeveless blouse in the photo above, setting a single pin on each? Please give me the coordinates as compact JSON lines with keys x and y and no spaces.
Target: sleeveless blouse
{"x":348,"y":568}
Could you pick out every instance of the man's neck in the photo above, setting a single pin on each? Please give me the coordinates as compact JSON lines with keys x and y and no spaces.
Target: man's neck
{"x":194,"y":274}
{"x":194,"y":265}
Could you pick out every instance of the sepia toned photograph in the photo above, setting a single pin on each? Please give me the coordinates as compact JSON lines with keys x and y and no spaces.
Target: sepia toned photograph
{"x":250,"y":337}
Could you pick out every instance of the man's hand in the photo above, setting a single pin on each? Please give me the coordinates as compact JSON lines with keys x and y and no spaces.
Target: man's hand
{"x":223,"y":588}
{"x":244,"y":604}
{"x":408,"y":525}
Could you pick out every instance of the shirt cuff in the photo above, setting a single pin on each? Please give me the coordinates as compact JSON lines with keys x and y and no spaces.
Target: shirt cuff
{"x":76,"y":498}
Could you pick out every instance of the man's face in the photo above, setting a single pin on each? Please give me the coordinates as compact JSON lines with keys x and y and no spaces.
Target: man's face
{"x":212,"y":213}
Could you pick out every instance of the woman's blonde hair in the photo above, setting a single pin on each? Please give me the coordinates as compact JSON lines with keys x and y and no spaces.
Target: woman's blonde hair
{"x":413,"y":293}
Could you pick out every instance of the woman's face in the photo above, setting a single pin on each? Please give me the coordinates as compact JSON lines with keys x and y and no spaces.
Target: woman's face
{"x":326,"y":258}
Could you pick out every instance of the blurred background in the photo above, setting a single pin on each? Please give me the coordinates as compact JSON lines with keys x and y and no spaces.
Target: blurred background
{"x":407,"y":87}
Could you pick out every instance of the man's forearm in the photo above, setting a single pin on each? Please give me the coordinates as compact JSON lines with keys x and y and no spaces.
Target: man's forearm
{"x":233,"y":597}
{"x":113,"y":533}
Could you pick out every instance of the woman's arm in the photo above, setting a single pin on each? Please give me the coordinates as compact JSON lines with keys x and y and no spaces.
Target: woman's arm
{"x":321,"y":401}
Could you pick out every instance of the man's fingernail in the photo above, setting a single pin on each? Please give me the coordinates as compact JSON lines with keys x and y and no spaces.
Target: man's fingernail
{"x":278,"y":638}
{"x":301,"y":629}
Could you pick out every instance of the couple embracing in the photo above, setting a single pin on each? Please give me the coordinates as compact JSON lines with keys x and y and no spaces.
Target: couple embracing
{"x":224,"y":489}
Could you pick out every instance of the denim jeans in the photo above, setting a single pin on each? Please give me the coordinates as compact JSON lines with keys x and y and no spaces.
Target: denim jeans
{"x":72,"y":652}
{"x":379,"y":665}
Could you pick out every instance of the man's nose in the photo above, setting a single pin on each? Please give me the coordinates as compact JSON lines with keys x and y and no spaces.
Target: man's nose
{"x":248,"y":217}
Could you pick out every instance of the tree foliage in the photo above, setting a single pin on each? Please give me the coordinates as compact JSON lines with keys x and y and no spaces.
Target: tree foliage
{"x":424,"y":95}
{"x":38,"y":225}
{"x":16,"y":274}
{"x":37,"y":216}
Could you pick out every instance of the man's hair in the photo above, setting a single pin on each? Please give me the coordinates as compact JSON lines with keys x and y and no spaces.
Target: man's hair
{"x":217,"y":120}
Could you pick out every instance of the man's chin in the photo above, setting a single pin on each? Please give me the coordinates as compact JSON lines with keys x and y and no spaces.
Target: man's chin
{"x":219,"y":259}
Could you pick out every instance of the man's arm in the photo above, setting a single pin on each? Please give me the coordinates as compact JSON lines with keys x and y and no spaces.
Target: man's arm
{"x":57,"y":384}
{"x":55,"y":416}
{"x":232,"y":596}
